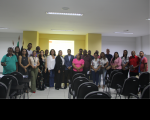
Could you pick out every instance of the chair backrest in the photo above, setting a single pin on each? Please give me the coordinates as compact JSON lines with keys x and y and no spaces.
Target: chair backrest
{"x":18,"y":75}
{"x":6,"y":79}
{"x":144,"y":79}
{"x":146,"y":93}
{"x":3,"y":91}
{"x":86,"y":88}
{"x":98,"y":95}
{"x":77,"y":75}
{"x":130,"y":86}
{"x":8,"y":90}
{"x":77,"y":82}
{"x":118,"y":78}
{"x":112,"y":73}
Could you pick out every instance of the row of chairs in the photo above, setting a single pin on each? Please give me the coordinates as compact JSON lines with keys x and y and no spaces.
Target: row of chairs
{"x":129,"y":87}
{"x":13,"y":85}
{"x":81,"y":88}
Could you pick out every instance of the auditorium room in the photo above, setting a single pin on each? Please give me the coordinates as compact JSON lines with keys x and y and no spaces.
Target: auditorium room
{"x":75,"y":49}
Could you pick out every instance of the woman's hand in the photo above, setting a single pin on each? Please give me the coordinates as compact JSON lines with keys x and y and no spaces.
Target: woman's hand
{"x":58,"y":71}
{"x":45,"y":70}
{"x":25,"y":70}
{"x":49,"y":71}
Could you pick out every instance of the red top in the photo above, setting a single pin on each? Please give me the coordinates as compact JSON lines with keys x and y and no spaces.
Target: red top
{"x":134,"y":61}
{"x":144,"y":61}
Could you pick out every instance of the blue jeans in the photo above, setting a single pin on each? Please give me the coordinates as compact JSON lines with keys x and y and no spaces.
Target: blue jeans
{"x":104,"y":75}
{"x":51,"y":78}
{"x":95,"y":77}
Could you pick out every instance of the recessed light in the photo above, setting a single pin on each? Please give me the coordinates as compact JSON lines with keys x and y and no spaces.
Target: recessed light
{"x":69,"y":14}
{"x":61,"y":30}
{"x":148,"y":19}
{"x":3,"y":28}
{"x":65,"y":8}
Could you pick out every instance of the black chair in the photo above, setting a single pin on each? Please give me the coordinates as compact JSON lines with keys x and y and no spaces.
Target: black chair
{"x":118,"y":78}
{"x":144,"y":80}
{"x":145,"y":93}
{"x":130,"y":86}
{"x":86,"y":88}
{"x":76,"y":83}
{"x":98,"y":95}
{"x":22,"y":81}
{"x":3,"y":91}
{"x":16,"y":89}
{"x":71,"y":82}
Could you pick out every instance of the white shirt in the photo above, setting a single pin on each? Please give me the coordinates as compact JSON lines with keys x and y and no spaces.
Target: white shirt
{"x":29,"y":53}
{"x":95,"y":64}
{"x":124,"y":61}
{"x":63,"y":61}
{"x":51,"y":63}
{"x":103,"y":62}
{"x":34,"y":61}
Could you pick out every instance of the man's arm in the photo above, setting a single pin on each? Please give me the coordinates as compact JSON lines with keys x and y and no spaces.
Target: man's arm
{"x":16,"y":66}
{"x":3,"y":64}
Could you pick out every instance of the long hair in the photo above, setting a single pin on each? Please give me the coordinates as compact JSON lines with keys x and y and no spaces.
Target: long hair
{"x":19,"y":53}
{"x":26,"y":52}
{"x":40,"y":57}
{"x":124,"y":54}
{"x":114,"y":57}
{"x":101,"y":55}
{"x":54,"y":52}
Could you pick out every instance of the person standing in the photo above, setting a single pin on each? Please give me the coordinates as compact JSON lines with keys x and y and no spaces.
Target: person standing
{"x":24,"y":63}
{"x":134,"y":64}
{"x":51,"y":62}
{"x":37,"y":51}
{"x":92,"y":58}
{"x":97,"y":54}
{"x":80,"y":52}
{"x":42,"y":70}
{"x":46,"y":53}
{"x":116,"y":62}
{"x":29,"y":49}
{"x":95,"y":65}
{"x":9,"y":62}
{"x":60,"y":70}
{"x":125,"y":63}
{"x":87,"y":63}
{"x":34,"y":70}
{"x":104,"y":63}
{"x":143,"y":67}
{"x":68,"y":67}
{"x":78,"y":65}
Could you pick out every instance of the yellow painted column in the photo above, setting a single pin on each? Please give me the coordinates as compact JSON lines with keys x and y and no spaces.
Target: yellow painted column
{"x":94,"y":42}
{"x":31,"y":37}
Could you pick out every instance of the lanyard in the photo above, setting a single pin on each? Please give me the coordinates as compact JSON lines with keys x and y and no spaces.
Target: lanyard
{"x":140,"y":64}
{"x":34,"y":60}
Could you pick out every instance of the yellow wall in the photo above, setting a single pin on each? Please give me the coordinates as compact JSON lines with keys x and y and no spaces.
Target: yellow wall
{"x":79,"y":40}
{"x":30,"y":37}
{"x":86,"y":42}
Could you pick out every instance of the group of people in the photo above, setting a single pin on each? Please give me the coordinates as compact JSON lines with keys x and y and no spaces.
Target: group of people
{"x":38,"y":64}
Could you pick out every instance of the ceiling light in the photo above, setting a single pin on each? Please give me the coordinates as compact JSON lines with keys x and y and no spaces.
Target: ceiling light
{"x":3,"y":28}
{"x":69,"y":14}
{"x":61,"y":30}
{"x":148,"y":19}
{"x":127,"y":33}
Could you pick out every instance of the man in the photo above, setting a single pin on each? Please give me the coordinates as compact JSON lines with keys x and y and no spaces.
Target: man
{"x":9,"y":62}
{"x":68,"y":67}
{"x":29,"y":49}
{"x":143,"y":67}
{"x":80,"y":52}
{"x":46,"y":53}
{"x":134,"y":64}
{"x":37,"y":51}
{"x":87,"y":63}
{"x":92,"y":58}
{"x":108,"y":55}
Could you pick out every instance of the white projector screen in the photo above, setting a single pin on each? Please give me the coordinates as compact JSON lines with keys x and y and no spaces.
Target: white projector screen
{"x":61,"y":45}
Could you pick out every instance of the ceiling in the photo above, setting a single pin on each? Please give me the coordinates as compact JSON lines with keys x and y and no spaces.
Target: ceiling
{"x":100,"y":16}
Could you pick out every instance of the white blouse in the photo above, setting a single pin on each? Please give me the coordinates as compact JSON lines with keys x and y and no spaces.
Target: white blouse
{"x":51,"y":63}
{"x":34,"y":61}
{"x":103,"y":61}
{"x":63,"y":61}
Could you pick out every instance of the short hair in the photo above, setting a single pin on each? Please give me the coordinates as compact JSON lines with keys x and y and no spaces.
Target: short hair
{"x":80,"y":49}
{"x":69,"y":49}
{"x":54,"y":52}
{"x":10,"y":48}
{"x":142,"y":52}
{"x":95,"y":53}
{"x":29,"y":44}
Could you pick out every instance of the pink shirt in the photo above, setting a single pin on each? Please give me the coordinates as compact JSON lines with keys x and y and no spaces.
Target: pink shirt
{"x":142,"y":67}
{"x":118,"y":62}
{"x":78,"y":64}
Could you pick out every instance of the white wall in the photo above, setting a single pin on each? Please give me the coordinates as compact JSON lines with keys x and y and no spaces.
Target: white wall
{"x":6,"y":41}
{"x":118,"y":44}
{"x":138,"y":45}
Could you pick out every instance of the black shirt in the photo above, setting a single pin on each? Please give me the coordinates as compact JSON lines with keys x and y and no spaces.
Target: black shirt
{"x":109,"y":57}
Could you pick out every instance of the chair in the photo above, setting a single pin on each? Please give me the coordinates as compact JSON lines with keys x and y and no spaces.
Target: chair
{"x":16,"y":89}
{"x":144,"y":80}
{"x":118,"y":78}
{"x":130,"y":86}
{"x":145,"y":93}
{"x":3,"y":91}
{"x":76,"y":83}
{"x":86,"y":88}
{"x":70,"y":83}
{"x":97,"y":95}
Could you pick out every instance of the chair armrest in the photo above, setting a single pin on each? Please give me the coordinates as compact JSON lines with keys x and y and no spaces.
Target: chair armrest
{"x":119,"y":86}
{"x":73,"y":94}
{"x":70,"y":91}
{"x":131,"y":94}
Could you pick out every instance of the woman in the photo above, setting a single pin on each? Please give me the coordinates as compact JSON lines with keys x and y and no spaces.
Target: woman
{"x":34,"y":61}
{"x":95,"y":65}
{"x":78,"y":64}
{"x":42,"y":70}
{"x":24,"y":62}
{"x":60,"y":69}
{"x":97,"y":54}
{"x":125,"y":63}
{"x":116,"y":62}
{"x":104,"y":62}
{"x":51,"y":67}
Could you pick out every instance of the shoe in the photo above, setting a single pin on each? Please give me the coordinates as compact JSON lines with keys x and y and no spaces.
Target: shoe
{"x":33,"y":92}
{"x":56,"y":88}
